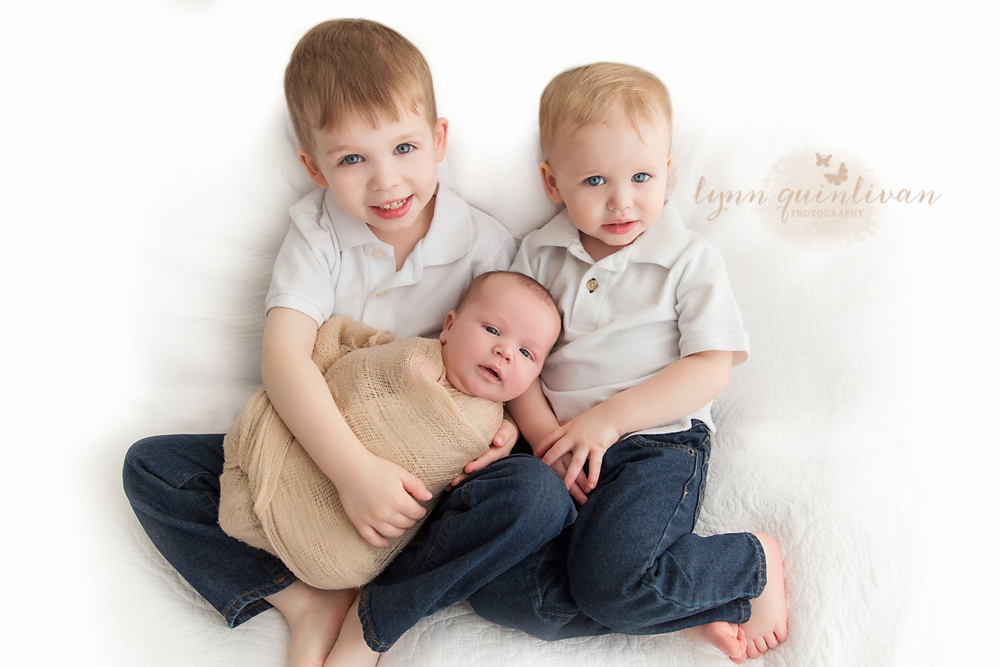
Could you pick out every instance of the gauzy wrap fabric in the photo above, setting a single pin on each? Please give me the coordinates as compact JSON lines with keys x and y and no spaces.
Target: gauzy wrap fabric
{"x":274,"y":497}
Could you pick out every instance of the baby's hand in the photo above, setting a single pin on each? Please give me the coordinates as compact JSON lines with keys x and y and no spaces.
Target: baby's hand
{"x":503,"y":442}
{"x":380,"y":499}
{"x":587,"y":436}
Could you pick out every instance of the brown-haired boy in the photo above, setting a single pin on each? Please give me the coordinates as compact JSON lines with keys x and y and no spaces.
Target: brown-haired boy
{"x":383,"y":242}
{"x":651,"y":332}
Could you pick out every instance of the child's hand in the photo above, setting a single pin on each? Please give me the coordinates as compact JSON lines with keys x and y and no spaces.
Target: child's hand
{"x":575,"y":489}
{"x":587,"y":436}
{"x":378,"y":497}
{"x":502,"y":443}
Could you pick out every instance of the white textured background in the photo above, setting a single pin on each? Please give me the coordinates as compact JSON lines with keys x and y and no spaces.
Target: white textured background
{"x":129,"y":131}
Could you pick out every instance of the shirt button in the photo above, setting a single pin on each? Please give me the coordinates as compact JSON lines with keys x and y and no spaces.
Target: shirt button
{"x":381,"y":295}
{"x":377,"y":253}
{"x":591,"y":285}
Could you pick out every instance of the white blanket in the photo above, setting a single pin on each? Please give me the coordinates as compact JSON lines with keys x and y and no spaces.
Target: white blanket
{"x":147,"y":170}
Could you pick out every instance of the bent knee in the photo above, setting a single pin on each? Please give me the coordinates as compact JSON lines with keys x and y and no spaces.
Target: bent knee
{"x":539,"y":490}
{"x":529,"y":488}
{"x":137,"y":468}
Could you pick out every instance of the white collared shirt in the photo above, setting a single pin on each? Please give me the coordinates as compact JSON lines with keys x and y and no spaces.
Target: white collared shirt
{"x":331,"y":263}
{"x":665,"y":296}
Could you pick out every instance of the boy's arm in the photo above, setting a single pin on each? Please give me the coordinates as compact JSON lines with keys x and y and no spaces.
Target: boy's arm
{"x":536,"y":420}
{"x":378,"y":496}
{"x":673,"y":393}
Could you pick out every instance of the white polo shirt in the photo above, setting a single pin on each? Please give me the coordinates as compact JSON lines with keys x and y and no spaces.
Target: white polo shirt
{"x":665,"y":296}
{"x":331,"y":263}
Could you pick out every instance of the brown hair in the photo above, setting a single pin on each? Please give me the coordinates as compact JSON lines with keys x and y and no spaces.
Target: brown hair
{"x":354,"y":66}
{"x":601,"y":93}
{"x":527,"y":282}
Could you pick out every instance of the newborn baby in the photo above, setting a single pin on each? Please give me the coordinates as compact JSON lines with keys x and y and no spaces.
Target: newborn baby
{"x":430,"y":406}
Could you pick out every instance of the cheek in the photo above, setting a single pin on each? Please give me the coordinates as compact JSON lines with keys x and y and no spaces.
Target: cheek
{"x":344,"y":188}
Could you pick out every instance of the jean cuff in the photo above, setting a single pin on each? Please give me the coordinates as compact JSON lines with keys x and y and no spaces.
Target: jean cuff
{"x":367,"y":624}
{"x":251,"y":603}
{"x":761,"y":565}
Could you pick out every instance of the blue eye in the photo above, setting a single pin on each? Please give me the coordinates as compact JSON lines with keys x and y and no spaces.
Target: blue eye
{"x":595,"y":180}
{"x":403,"y":149}
{"x":526,"y":354}
{"x":491,"y":330}
{"x":641,"y":177}
{"x":353,"y":158}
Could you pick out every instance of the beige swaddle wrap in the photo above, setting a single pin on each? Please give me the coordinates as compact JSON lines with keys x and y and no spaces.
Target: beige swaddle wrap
{"x":275,"y":498}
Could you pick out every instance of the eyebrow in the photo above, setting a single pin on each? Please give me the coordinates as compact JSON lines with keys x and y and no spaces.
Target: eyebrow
{"x":410,"y":136}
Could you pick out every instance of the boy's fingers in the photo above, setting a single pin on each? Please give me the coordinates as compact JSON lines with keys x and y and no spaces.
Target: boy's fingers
{"x":595,"y":470}
{"x":491,"y":455}
{"x":505,"y":433}
{"x":548,"y":441}
{"x":372,"y":537}
{"x":389,"y":530}
{"x":577,"y":493}
{"x":556,"y":451}
{"x":575,"y":467}
{"x":413,"y":486}
{"x":412,"y":510}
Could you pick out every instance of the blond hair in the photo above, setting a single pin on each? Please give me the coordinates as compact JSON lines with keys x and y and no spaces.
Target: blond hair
{"x":351,"y":67}
{"x":601,"y":93}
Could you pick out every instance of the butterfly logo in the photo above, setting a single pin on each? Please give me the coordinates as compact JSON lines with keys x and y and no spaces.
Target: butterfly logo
{"x":839,"y":177}
{"x":823,"y":161}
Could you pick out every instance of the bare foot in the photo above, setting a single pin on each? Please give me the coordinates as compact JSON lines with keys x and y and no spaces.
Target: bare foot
{"x":768,"y":624}
{"x":351,"y":650}
{"x":314,"y":618}
{"x":727,"y":637}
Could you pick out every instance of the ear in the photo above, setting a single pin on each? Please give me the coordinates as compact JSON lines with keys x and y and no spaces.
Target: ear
{"x":449,"y":320}
{"x":440,"y":139}
{"x":549,"y":181}
{"x":314,"y":171}
{"x":670,"y":160}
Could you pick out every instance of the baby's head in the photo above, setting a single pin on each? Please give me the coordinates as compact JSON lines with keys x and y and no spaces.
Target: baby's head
{"x":361,"y":100}
{"x":495,"y":341}
{"x":606,"y":136}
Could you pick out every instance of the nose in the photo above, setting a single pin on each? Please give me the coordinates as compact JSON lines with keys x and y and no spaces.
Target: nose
{"x":620,"y":199}
{"x":384,"y":176}
{"x":504,"y":350}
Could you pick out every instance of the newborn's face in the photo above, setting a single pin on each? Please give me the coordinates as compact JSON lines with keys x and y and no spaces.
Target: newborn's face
{"x":496,"y":345}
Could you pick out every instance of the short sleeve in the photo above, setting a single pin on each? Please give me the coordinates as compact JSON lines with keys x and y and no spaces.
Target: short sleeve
{"x":707,"y":314}
{"x":305,"y":272}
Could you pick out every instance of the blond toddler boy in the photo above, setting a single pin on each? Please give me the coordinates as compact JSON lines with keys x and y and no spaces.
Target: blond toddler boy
{"x":651,"y":334}
{"x":383,"y":242}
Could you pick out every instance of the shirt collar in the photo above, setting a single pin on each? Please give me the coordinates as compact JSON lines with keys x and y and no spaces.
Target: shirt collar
{"x":664,"y":242}
{"x":661,"y":244}
{"x":351,"y":232}
{"x":448,"y":239}
{"x":450,"y":235}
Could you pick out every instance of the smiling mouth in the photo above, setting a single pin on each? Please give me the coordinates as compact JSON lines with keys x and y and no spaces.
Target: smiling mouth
{"x":491,"y":371}
{"x":393,"y":206}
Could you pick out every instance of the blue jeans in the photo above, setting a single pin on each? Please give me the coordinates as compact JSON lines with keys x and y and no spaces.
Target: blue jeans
{"x":494,"y":519}
{"x":172,"y":482}
{"x":631,"y":563}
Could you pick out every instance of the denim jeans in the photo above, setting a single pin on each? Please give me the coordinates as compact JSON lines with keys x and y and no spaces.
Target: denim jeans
{"x":494,"y":519}
{"x":631,"y":563}
{"x":172,"y":482}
